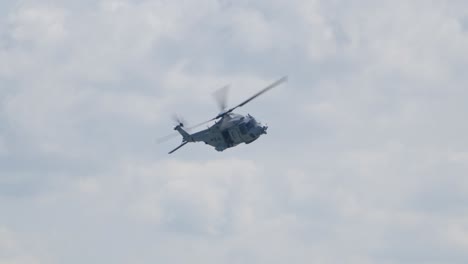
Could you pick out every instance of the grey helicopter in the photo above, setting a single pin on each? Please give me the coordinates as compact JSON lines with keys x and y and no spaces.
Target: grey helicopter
{"x":230,"y":129}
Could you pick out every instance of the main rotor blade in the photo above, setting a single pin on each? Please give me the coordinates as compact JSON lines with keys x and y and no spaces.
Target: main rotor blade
{"x":200,"y":124}
{"x":220,"y":96}
{"x":166,"y":138}
{"x":264,"y":90}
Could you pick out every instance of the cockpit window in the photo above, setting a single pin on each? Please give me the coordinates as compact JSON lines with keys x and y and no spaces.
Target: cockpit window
{"x":245,"y":127}
{"x":250,"y":124}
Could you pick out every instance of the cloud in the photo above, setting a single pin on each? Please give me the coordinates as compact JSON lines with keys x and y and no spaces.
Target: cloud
{"x":40,"y":25}
{"x":365,"y":156}
{"x":185,"y":196}
{"x":12,"y":251}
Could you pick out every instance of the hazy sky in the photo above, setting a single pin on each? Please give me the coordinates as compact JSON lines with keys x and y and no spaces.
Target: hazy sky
{"x":365,"y":161}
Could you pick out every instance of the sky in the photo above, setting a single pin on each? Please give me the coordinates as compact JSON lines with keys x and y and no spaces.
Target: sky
{"x":365,"y":160}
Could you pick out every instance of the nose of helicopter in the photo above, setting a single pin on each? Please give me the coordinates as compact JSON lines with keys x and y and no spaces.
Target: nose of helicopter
{"x":261,"y":129}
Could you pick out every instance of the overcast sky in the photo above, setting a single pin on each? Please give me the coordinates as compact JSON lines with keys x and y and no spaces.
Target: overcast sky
{"x":365,"y":160}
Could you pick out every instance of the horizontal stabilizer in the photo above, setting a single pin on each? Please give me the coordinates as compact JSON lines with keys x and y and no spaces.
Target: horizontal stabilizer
{"x":181,"y":145}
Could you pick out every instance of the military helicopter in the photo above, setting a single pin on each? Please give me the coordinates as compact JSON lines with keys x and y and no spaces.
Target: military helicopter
{"x":231,"y":129}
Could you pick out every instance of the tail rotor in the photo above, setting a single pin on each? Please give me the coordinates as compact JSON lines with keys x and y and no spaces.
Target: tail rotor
{"x":178,"y":120}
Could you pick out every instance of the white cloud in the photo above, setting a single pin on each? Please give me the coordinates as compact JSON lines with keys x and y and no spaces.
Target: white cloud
{"x":252,"y":30}
{"x":366,"y":153}
{"x":89,"y":185}
{"x":190,"y":196}
{"x":3,"y":148}
{"x":13,"y":251}
{"x":40,"y":25}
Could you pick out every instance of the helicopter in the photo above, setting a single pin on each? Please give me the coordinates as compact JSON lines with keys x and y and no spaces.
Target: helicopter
{"x":230,"y":129}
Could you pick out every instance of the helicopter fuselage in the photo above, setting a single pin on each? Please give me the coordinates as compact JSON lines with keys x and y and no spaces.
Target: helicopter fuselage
{"x":231,"y":130}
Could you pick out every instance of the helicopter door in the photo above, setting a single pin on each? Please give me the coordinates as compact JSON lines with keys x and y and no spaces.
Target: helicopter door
{"x":235,"y":135}
{"x":227,"y":138}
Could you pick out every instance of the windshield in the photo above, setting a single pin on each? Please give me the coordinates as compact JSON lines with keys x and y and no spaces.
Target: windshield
{"x":245,"y":127}
{"x":250,"y":124}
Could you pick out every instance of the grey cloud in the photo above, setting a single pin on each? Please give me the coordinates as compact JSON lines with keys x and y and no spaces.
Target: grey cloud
{"x":365,"y":156}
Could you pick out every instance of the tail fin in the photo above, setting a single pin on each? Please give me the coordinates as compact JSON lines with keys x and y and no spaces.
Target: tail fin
{"x":186,"y":136}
